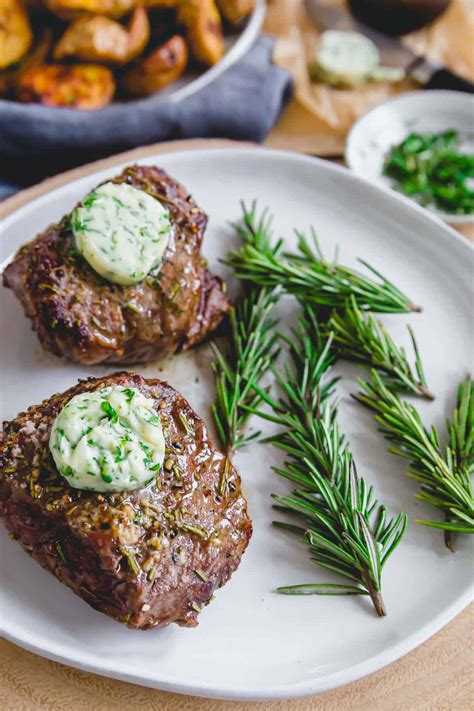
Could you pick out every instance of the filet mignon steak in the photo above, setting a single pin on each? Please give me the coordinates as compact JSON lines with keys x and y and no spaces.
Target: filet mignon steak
{"x":148,"y":557}
{"x":80,"y":315}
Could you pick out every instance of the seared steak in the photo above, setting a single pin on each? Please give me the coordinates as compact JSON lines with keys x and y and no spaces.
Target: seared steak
{"x":148,"y":557}
{"x":90,"y":320}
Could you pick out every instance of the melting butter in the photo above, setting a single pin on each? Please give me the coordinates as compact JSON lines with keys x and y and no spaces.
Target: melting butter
{"x":122,"y":232}
{"x":108,"y":440}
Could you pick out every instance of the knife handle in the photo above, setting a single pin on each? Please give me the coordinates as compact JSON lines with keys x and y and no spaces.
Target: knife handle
{"x":433,"y":76}
{"x":444,"y":79}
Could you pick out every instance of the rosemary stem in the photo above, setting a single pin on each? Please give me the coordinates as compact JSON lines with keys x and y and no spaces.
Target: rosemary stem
{"x":426,"y":393}
{"x":448,"y":539}
{"x":375,"y":595}
{"x":347,"y":530}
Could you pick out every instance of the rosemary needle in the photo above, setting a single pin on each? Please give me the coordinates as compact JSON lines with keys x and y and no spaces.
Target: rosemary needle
{"x":347,"y":531}
{"x":444,"y":473}
{"x":360,"y":337}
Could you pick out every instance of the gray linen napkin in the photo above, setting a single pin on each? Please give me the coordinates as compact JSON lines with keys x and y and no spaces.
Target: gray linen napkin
{"x":243,"y":103}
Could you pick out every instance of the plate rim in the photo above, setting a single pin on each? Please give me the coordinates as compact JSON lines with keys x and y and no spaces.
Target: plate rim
{"x":237,"y":148}
{"x":353,"y":138}
{"x":270,"y":693}
{"x":295,"y":689}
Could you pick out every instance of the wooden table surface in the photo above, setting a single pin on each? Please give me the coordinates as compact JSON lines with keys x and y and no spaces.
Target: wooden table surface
{"x":437,"y":676}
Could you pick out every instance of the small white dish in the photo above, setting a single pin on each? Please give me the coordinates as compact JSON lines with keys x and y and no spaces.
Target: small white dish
{"x":252,"y":643}
{"x":377,"y":131}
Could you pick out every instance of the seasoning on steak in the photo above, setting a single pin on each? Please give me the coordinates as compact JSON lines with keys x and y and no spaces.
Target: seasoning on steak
{"x":148,"y":557}
{"x":90,"y":320}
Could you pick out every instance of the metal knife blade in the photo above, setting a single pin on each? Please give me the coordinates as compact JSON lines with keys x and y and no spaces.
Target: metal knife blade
{"x":392,"y":51}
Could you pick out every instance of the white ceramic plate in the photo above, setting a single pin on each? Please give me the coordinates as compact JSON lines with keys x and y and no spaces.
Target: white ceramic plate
{"x":252,"y":642}
{"x":377,"y":131}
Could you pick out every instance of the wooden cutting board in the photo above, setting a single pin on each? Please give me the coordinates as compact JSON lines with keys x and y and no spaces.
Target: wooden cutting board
{"x":438,"y":676}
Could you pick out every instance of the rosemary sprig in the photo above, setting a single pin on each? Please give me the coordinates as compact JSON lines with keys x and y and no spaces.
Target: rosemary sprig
{"x":444,"y":473}
{"x":256,"y":232}
{"x":249,"y":354}
{"x":311,"y":278}
{"x":461,"y":427}
{"x":347,"y":531}
{"x":360,"y":337}
{"x":251,"y":348}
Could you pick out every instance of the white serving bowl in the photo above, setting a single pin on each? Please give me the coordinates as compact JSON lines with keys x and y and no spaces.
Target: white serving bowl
{"x":377,"y":131}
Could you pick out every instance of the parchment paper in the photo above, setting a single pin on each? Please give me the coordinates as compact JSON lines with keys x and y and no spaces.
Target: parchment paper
{"x":325,"y":113}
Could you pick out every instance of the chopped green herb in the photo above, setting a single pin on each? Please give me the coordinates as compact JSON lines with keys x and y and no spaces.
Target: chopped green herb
{"x":197,"y":530}
{"x":430,"y":168}
{"x":185,"y":424}
{"x":109,"y":411}
{"x":129,"y":394}
{"x":90,"y":199}
{"x":119,"y":454}
{"x":132,"y":307}
{"x":131,"y":560}
{"x":222,"y":486}
{"x":60,"y":552}
{"x":175,"y":291}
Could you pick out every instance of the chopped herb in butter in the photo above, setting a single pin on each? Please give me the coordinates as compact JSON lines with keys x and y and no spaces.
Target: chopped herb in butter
{"x":349,"y":59}
{"x":122,"y":232}
{"x":108,"y":440}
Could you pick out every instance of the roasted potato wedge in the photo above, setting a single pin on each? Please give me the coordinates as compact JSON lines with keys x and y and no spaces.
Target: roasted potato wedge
{"x":235,"y":10}
{"x":204,"y":29}
{"x":72,"y":9}
{"x":163,"y":66}
{"x":15,"y":32}
{"x":100,"y":39}
{"x":84,"y":86}
{"x":36,"y":56}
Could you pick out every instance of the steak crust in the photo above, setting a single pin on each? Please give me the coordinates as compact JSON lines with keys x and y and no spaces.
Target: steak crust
{"x":78,"y":314}
{"x":147,"y":557}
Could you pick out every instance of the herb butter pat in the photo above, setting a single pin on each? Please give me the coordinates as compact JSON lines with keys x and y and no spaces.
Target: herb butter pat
{"x":108,"y":440}
{"x":347,"y":59}
{"x":122,"y":232}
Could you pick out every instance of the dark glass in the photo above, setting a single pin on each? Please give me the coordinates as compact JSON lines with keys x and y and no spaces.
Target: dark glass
{"x":397,"y":17}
